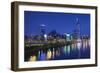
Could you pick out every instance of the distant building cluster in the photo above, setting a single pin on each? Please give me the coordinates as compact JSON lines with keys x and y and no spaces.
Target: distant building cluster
{"x":55,"y":36}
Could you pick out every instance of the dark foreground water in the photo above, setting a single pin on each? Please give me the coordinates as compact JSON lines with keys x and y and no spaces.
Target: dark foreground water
{"x":73,"y":51}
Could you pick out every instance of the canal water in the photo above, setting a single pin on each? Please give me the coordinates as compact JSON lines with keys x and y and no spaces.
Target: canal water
{"x":74,"y":51}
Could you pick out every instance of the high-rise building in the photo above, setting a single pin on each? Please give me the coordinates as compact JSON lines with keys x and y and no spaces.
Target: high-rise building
{"x":76,"y":33}
{"x":43,"y":29}
{"x":43,"y":32}
{"x":67,"y":36}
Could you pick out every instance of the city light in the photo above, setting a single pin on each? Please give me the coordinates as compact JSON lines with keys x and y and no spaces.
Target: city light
{"x":53,"y":43}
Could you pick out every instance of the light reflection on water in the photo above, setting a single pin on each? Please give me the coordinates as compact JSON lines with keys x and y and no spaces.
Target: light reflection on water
{"x":73,"y":51}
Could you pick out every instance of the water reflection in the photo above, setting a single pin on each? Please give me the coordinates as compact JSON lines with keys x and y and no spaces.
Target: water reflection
{"x":42,"y":56}
{"x":53,"y":53}
{"x":49,"y":54}
{"x":32,"y":58}
{"x":74,"y":51}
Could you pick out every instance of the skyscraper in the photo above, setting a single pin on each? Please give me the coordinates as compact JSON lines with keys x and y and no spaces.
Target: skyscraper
{"x":43,"y":32}
{"x":76,"y":33}
{"x":43,"y":29}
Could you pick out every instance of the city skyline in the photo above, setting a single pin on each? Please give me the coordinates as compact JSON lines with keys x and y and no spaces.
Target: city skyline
{"x":56,"y":36}
{"x":61,"y":22}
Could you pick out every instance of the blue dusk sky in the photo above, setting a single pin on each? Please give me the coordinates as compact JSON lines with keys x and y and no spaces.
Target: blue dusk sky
{"x":61,"y":22}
